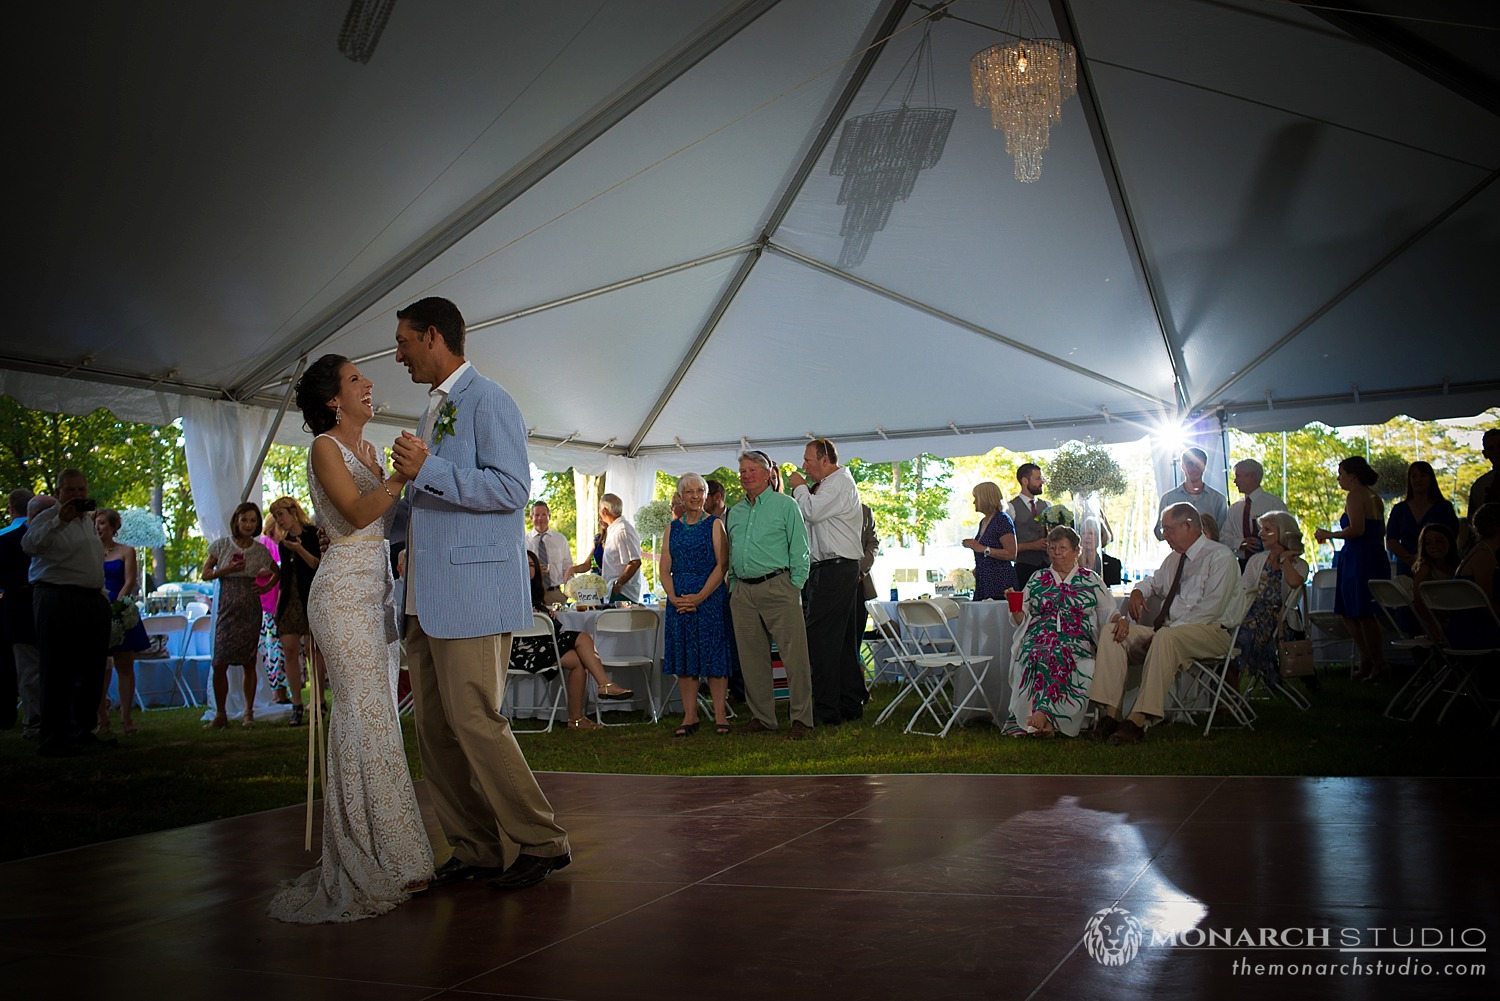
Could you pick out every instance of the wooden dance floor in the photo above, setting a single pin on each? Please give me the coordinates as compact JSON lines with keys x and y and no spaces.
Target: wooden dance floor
{"x":823,"y":887}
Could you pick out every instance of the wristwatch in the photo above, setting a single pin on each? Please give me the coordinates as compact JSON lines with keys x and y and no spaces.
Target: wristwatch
{"x":986,"y":550}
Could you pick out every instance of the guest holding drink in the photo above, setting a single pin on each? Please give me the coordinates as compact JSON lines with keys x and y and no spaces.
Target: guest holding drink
{"x":236,"y":561}
{"x":994,"y":545}
{"x":1362,"y":559}
{"x":300,"y":555}
{"x":1063,"y":613}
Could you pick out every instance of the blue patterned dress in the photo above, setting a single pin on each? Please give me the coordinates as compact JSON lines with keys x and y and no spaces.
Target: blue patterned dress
{"x":697,"y":645}
{"x":992,"y":576}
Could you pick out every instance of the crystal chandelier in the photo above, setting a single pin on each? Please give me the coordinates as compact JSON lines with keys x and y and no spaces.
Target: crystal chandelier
{"x":363,"y":23}
{"x":879,"y":155}
{"x":1024,"y":84}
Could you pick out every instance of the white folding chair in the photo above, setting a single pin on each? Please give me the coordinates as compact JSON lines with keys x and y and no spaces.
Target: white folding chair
{"x":1202,"y":689}
{"x":613,"y":631}
{"x":1445,"y":598}
{"x":172,"y":628}
{"x":889,"y":651}
{"x":198,"y":652}
{"x":945,"y":666}
{"x":1330,"y":638}
{"x":540,"y":629}
{"x":1429,"y":670}
{"x":904,"y":659}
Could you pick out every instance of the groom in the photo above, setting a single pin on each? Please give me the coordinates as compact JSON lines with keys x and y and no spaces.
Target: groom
{"x":467,"y":588}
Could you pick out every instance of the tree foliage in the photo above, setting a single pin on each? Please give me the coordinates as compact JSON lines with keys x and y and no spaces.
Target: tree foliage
{"x":1314,"y":451}
{"x":908,"y":498}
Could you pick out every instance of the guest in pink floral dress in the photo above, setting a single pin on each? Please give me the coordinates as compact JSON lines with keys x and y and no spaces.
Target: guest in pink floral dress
{"x":1065,"y":610}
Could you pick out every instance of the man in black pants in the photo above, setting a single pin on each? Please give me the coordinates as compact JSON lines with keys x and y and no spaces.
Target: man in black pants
{"x":830,"y":507}
{"x":72,"y":617}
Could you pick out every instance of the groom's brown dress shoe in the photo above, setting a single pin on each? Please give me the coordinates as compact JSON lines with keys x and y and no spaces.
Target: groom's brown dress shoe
{"x":529,"y":870}
{"x":456,"y":870}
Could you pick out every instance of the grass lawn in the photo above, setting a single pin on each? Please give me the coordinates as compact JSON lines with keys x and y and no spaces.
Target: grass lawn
{"x":173,"y":773}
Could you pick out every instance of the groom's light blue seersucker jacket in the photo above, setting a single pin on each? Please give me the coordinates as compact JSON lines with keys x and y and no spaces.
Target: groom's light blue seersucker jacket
{"x":466,"y":535}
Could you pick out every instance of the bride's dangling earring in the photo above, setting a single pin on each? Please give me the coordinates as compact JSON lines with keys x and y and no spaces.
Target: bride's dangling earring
{"x":338,"y":415}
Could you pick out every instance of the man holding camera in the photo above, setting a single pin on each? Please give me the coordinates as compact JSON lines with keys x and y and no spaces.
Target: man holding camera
{"x":72,"y":616}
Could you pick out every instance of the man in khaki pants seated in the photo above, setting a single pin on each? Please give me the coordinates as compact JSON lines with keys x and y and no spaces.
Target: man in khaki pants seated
{"x":1198,"y":585}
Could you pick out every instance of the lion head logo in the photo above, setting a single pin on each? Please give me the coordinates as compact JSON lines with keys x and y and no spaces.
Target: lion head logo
{"x":1113,"y":936}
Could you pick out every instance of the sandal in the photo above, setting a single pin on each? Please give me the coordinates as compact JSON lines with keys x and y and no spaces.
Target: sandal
{"x":723,"y":729}
{"x":217,"y":723}
{"x":617,"y":696}
{"x":583,"y":723}
{"x":297,"y":712}
{"x":687,"y":730}
{"x":249,"y":719}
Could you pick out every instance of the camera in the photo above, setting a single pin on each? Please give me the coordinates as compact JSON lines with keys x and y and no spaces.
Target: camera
{"x":87,"y":504}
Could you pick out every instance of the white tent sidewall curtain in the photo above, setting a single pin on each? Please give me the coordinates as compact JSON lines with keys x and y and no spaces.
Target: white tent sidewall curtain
{"x":222,"y":441}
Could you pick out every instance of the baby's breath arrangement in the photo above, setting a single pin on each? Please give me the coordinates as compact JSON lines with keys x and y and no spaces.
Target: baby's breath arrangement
{"x":1084,"y":467}
{"x":652,"y":520}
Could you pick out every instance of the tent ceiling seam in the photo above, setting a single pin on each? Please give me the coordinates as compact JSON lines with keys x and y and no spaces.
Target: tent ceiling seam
{"x":507,"y":189}
{"x":1109,"y":165}
{"x":963,"y":324}
{"x":1353,"y":286}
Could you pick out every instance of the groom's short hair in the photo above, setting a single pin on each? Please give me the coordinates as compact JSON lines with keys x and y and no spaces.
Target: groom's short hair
{"x":435,"y":311}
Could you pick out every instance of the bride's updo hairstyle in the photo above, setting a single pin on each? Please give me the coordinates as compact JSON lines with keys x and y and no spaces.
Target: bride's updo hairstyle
{"x":318,"y":385}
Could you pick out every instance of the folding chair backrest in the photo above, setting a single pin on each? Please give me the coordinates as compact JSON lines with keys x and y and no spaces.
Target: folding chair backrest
{"x":626,"y":620}
{"x":200,"y":637}
{"x":927,"y":622}
{"x":1391,"y":597}
{"x":888,"y":628}
{"x":1292,"y":604}
{"x":1457,"y":595}
{"x":170,"y":625}
{"x":541,"y":625}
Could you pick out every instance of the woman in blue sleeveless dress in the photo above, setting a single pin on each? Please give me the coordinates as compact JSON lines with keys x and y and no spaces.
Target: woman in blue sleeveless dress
{"x":119,"y":577}
{"x":694,"y":562}
{"x":1363,"y":559}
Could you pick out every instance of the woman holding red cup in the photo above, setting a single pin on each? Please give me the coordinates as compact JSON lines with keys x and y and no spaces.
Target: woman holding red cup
{"x":1063,"y":611}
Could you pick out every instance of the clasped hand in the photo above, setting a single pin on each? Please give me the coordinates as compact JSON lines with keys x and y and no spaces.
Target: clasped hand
{"x":408,"y":454}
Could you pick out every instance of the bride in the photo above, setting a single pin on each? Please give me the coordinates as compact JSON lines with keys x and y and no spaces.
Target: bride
{"x":375,"y":848}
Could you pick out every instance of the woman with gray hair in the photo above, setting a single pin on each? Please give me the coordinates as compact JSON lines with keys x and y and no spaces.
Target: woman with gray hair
{"x":694,"y":563}
{"x":1065,"y":613}
{"x":1269,"y":578}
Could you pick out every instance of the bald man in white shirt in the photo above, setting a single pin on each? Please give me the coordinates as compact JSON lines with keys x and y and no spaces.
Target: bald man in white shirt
{"x":1201,"y":601}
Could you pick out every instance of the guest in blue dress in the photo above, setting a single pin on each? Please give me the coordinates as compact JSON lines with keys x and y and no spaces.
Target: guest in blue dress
{"x":1423,"y":505}
{"x":119,"y":578}
{"x":1361,"y":560}
{"x":694,"y":562}
{"x":994,"y":545}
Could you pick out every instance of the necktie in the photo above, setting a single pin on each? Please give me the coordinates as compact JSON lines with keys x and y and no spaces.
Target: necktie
{"x":1166,"y":606}
{"x":1246,"y":530}
{"x":434,"y":400}
{"x":1033,"y":507}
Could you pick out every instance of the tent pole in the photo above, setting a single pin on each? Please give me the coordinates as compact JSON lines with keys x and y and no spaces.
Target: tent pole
{"x":265,"y":447}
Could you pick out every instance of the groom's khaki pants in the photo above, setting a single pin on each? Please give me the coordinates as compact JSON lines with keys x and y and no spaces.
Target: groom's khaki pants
{"x":480,"y":784}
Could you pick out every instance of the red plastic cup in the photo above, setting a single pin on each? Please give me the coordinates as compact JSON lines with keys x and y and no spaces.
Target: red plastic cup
{"x":1014,"y":597}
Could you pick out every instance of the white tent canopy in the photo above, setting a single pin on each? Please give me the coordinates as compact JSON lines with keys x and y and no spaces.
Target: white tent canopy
{"x":1251,"y":208}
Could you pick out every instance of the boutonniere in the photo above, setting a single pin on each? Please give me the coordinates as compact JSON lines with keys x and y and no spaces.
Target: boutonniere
{"x":444,"y":426}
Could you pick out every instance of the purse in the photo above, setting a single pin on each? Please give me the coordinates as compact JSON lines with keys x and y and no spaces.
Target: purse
{"x":1294,"y":658}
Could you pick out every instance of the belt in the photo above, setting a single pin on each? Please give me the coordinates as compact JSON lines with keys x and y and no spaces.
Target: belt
{"x":68,"y":587}
{"x":762,"y":580}
{"x":832,"y":560}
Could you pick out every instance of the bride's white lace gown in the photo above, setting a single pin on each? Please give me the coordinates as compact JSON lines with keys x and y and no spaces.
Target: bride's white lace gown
{"x":374,"y":844}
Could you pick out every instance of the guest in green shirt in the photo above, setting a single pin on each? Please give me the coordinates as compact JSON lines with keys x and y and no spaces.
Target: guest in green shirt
{"x":768,"y":564}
